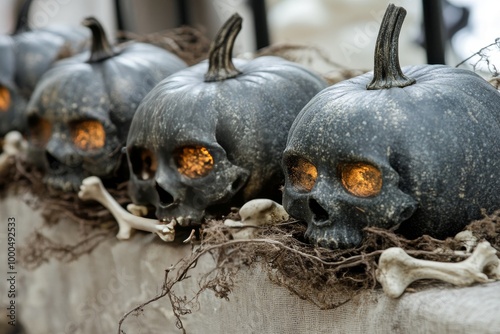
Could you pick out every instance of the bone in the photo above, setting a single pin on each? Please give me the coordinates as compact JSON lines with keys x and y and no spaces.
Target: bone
{"x":14,"y":145}
{"x":137,"y":210}
{"x":93,"y":189}
{"x":467,"y":240}
{"x":191,"y":237}
{"x":397,"y":269}
{"x":254,"y":214}
{"x":495,"y":272}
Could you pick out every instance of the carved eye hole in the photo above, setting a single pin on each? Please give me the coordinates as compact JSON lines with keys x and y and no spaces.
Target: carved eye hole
{"x":361,"y":179}
{"x":193,"y":161}
{"x":88,"y":135}
{"x":4,"y":99}
{"x":302,"y":173}
{"x":39,"y":131}
{"x":144,"y":163}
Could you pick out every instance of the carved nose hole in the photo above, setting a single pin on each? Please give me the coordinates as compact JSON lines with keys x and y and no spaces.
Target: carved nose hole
{"x":54,"y":165}
{"x":165,"y":198}
{"x":237,"y":184}
{"x":407,"y":212}
{"x":319,"y":213}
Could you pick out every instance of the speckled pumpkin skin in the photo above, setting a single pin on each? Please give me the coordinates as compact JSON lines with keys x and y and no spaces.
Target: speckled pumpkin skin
{"x":108,"y":91}
{"x":26,"y":57}
{"x":11,"y":118}
{"x":243,"y":121}
{"x":37,"y":50}
{"x":437,"y":143}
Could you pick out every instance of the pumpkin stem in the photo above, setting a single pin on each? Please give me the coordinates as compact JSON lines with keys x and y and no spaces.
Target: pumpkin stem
{"x":101,"y":49}
{"x":22,"y":18}
{"x":387,"y":72}
{"x":220,"y":63}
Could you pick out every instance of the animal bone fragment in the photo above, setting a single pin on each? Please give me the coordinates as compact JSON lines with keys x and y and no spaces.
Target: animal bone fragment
{"x":14,"y":144}
{"x":397,"y":269}
{"x":93,"y":189}
{"x":137,"y":210}
{"x":254,"y":214}
{"x":467,"y":240}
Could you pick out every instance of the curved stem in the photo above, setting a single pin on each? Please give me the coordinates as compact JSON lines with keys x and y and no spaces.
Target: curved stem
{"x":387,"y":72}
{"x":101,"y":49}
{"x":220,"y":63}
{"x":22,"y":18}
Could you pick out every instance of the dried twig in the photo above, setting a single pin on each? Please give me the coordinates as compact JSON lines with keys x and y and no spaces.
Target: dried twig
{"x":484,"y":57}
{"x":189,"y":44}
{"x":59,"y":207}
{"x":318,"y":275}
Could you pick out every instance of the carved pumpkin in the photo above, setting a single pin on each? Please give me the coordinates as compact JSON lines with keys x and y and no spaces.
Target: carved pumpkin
{"x":12,"y":104}
{"x":80,"y":112}
{"x":417,"y":148}
{"x":26,"y":55}
{"x":212,"y":135}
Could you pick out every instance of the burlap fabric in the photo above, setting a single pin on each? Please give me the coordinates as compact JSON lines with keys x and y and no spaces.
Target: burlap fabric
{"x":91,"y":294}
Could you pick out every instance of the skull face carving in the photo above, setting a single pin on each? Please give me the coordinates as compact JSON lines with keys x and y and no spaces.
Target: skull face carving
{"x":340,"y":179}
{"x":420,"y":152}
{"x":80,"y":112}
{"x":212,"y":135}
{"x":186,"y":171}
{"x":12,"y":103}
{"x":26,"y":55}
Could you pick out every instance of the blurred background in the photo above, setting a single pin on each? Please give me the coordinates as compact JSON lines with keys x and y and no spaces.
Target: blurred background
{"x":345,"y":29}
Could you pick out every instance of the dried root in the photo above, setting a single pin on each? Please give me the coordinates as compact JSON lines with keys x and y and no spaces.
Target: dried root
{"x":315,"y":274}
{"x":308,"y":55}
{"x":96,"y":223}
{"x":41,"y":248}
{"x":483,"y":61}
{"x":189,"y":44}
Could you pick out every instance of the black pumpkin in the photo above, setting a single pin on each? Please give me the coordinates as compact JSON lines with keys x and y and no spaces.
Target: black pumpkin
{"x":26,"y":55}
{"x":213,"y":133}
{"x":81,"y":109}
{"x":12,"y":104}
{"x":417,"y":148}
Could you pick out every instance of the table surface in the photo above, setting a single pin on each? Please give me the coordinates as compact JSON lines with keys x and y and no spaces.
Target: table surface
{"x":91,"y":294}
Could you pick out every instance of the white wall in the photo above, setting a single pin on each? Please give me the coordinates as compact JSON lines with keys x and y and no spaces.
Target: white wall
{"x":345,"y":29}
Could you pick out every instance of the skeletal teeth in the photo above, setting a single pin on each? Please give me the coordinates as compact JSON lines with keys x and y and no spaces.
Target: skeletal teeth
{"x":182,"y":221}
{"x":93,"y":189}
{"x":397,"y":269}
{"x":256,"y":213}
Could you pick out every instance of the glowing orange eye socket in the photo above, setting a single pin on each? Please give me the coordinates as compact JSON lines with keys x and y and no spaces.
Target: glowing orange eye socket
{"x":39,"y":131}
{"x":88,"y":135}
{"x":144,"y":163}
{"x":361,"y":179}
{"x":4,"y":99}
{"x":193,"y":161}
{"x":302,"y":174}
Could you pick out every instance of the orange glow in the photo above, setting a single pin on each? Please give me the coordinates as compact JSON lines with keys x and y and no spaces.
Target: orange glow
{"x":4,"y":99}
{"x":194,"y":161}
{"x":88,"y":135}
{"x":361,"y":179}
{"x":302,"y":173}
{"x":40,"y":131}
